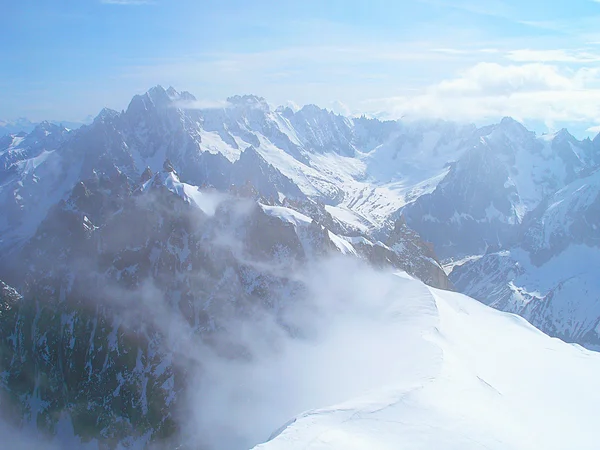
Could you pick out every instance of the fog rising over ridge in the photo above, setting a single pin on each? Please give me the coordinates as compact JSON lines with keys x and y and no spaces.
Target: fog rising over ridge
{"x":299,"y":225}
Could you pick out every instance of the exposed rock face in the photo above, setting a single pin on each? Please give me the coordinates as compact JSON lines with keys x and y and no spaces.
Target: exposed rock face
{"x":506,"y":173}
{"x":161,"y":218}
{"x":164,"y":217}
{"x":88,"y":342}
{"x":550,"y":276}
{"x":405,"y":250}
{"x":473,"y":207}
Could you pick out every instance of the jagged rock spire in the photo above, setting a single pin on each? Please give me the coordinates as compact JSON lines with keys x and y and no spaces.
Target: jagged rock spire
{"x":167,"y":166}
{"x":146,"y":175}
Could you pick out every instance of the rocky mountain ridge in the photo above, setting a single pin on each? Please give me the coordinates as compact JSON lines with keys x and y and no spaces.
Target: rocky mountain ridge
{"x":205,"y":215}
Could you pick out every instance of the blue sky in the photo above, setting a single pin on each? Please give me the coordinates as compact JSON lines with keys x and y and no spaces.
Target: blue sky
{"x":460,"y":59}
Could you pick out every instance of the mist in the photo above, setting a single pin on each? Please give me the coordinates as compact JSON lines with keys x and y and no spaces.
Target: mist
{"x":347,"y":339}
{"x":332,"y":331}
{"x":19,"y":439}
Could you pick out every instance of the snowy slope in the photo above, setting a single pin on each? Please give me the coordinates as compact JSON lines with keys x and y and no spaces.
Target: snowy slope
{"x":464,"y":189}
{"x":226,"y":203}
{"x":569,"y":218}
{"x":368,"y":168}
{"x":505,"y":173}
{"x":464,"y":377}
{"x":550,"y":276}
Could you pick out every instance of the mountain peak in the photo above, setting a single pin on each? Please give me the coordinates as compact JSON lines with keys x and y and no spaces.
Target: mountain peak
{"x":168,"y":166}
{"x":159,"y":95}
{"x":186,"y":96}
{"x":289,"y":105}
{"x":46,"y":128}
{"x":158,"y":89}
{"x":106,"y":114}
{"x":249,"y":101}
{"x":312,"y":109}
{"x":171,"y":92}
{"x":176,"y":96}
{"x":155,"y":97}
{"x":509,"y":123}
{"x":507,"y":120}
{"x":513,"y":128}
{"x":564,"y":134}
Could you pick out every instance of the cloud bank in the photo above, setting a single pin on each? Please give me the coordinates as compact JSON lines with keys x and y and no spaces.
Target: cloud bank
{"x":488,"y":91}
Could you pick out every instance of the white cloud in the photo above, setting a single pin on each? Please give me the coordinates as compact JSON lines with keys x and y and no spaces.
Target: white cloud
{"x":239,"y":403}
{"x":488,"y":91}
{"x":292,"y":105}
{"x":496,"y":79}
{"x":594,"y":129}
{"x":340,"y":108}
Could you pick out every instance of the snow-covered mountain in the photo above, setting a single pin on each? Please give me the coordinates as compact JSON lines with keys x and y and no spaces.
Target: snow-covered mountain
{"x":550,"y":276}
{"x":471,"y":378}
{"x":520,"y":211}
{"x":20,"y":125}
{"x":24,"y":125}
{"x":202,"y":217}
{"x":278,"y":155}
{"x":505,"y":173}
{"x":150,"y":233}
{"x":464,"y":189}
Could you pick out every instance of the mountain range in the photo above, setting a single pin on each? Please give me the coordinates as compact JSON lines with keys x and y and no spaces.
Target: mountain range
{"x":126,"y":240}
{"x":24,"y":125}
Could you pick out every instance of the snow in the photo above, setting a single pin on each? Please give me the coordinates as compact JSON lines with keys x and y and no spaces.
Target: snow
{"x":348,"y":217}
{"x":287,"y":215}
{"x":309,"y":180}
{"x":571,"y":280}
{"x":52,"y":181}
{"x":17,"y":140}
{"x":535,"y":166}
{"x":29,"y":165}
{"x":213,"y":143}
{"x":170,"y":180}
{"x":474,"y":378}
{"x":342,"y":245}
{"x":207,"y":201}
{"x":413,"y":156}
{"x":568,"y":203}
{"x":373,"y":184}
{"x":449,"y":266}
{"x":460,"y":375}
{"x":359,"y":240}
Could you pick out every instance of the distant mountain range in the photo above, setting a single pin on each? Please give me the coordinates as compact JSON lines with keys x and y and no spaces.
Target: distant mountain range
{"x":23,"y":125}
{"x":212,"y":213}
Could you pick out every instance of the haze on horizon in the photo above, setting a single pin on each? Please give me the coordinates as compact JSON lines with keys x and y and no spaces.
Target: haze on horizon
{"x":458,"y":60}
